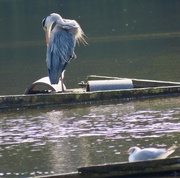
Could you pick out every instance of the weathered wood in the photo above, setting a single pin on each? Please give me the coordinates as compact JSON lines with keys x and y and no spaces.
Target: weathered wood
{"x":80,"y":96}
{"x":124,"y":169}
{"x":71,"y":98}
{"x":66,"y":175}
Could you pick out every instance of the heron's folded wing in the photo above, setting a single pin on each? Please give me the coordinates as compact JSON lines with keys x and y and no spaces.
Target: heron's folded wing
{"x":59,"y":52}
{"x":60,"y":49}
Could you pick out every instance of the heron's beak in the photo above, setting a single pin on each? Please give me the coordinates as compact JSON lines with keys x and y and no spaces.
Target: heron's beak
{"x":47,"y":32}
{"x":47,"y":38}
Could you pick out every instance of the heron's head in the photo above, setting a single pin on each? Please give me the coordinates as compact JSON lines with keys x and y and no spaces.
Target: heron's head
{"x":48,"y":22}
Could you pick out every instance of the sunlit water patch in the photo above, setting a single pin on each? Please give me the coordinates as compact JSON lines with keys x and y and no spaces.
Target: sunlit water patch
{"x":59,"y":140}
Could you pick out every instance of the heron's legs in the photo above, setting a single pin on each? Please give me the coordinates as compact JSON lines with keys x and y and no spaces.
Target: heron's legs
{"x":62,"y":84}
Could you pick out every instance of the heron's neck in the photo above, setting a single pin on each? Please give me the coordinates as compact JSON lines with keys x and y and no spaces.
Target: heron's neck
{"x":56,"y":18}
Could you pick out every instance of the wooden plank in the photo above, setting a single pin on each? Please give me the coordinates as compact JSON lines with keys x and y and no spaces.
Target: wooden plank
{"x":149,"y":88}
{"x":79,"y":97}
{"x":65,"y":175}
{"x":141,"y":167}
{"x":123,"y":169}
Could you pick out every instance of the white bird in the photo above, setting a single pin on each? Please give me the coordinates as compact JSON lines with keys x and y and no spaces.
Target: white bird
{"x":138,"y":154}
{"x":61,"y":40}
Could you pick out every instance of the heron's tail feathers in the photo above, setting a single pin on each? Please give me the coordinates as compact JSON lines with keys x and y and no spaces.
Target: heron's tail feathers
{"x":80,"y":37}
{"x":168,"y":152}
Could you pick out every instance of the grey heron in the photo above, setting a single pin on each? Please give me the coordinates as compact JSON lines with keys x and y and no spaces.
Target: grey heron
{"x":61,"y":37}
{"x":138,"y":154}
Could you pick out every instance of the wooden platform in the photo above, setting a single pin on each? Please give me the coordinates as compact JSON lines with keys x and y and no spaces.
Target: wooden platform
{"x":169,"y":166}
{"x":141,"y":89}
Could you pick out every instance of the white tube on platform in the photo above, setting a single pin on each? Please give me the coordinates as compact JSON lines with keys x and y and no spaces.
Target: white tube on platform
{"x":97,"y":85}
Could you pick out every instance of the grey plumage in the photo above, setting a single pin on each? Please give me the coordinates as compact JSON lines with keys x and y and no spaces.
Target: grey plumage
{"x":59,"y":52}
{"x":61,"y":41}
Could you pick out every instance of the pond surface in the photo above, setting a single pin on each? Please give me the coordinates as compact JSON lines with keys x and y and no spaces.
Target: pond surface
{"x":58,"y":140}
{"x":135,"y":39}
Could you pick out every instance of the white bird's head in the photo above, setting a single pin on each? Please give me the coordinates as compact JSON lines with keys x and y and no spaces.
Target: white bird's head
{"x":133,"y":149}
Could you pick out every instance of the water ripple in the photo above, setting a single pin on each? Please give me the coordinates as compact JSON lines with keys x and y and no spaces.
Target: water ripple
{"x":57,"y":124}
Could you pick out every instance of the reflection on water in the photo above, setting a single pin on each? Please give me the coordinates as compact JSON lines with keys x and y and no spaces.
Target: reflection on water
{"x":48,"y":141}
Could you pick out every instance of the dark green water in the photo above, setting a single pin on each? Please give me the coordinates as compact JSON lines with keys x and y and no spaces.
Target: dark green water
{"x":137,"y":39}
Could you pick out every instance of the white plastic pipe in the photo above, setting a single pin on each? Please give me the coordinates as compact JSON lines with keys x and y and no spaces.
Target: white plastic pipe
{"x":97,"y":85}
